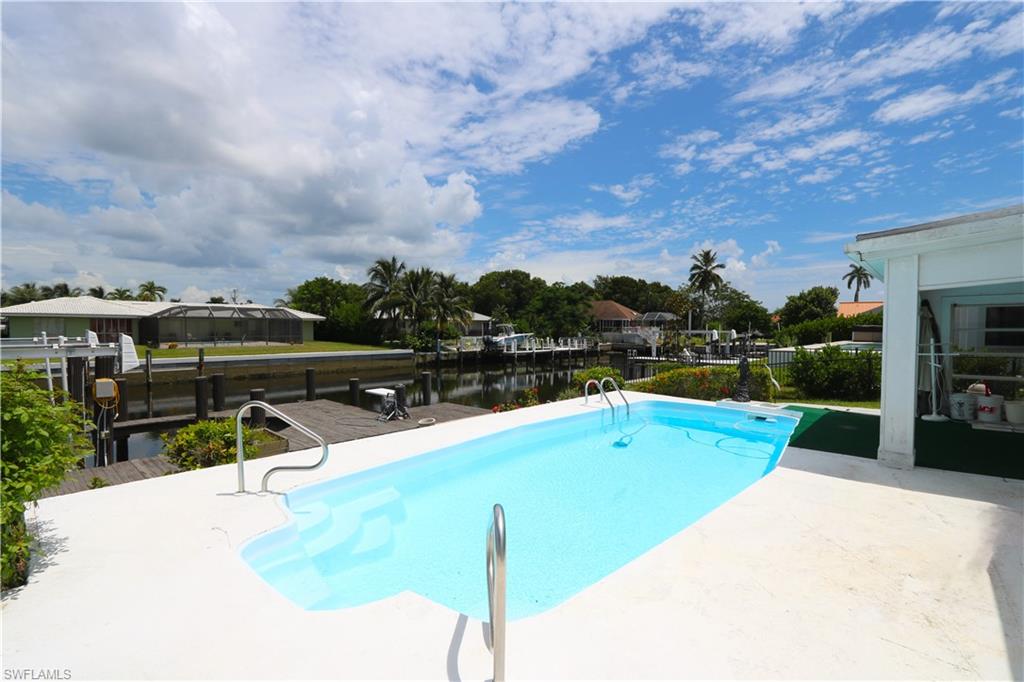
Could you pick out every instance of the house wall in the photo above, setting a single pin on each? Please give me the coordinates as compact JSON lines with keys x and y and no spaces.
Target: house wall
{"x":307,"y":330}
{"x":26,"y":327}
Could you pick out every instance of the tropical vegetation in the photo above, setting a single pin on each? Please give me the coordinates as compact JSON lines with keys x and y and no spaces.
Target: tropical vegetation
{"x":859,"y":276}
{"x":40,"y":441}
{"x":707,"y":383}
{"x":832,"y":372}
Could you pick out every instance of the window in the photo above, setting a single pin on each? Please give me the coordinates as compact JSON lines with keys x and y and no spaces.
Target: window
{"x":109,"y":330}
{"x":53,"y":326}
{"x":992,"y":327}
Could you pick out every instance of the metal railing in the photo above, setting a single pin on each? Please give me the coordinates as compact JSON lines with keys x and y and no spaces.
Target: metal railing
{"x":604,"y":396}
{"x":239,"y":445}
{"x":496,"y":591}
{"x":622,"y":395}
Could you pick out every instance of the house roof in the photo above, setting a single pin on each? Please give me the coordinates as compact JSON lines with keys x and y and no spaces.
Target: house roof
{"x":851,"y":308}
{"x":480,"y":317}
{"x":657,"y":317}
{"x":610,"y":310}
{"x":88,"y":306}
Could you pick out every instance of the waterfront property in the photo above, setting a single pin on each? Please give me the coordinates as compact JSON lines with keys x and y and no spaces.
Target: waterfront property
{"x":954,"y":292}
{"x":828,"y":567}
{"x":159,"y":323}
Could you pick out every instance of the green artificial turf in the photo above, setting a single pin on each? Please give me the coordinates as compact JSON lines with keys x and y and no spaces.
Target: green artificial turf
{"x":952,"y":446}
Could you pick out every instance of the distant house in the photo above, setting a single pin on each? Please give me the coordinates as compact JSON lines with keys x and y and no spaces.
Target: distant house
{"x":480,"y":325}
{"x":160,"y":322}
{"x":852,"y":309}
{"x":610,"y":316}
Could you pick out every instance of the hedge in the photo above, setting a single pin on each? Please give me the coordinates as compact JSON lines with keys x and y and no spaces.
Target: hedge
{"x":706,"y":383}
{"x":207,"y":443}
{"x":817,"y":331}
{"x":832,"y":372}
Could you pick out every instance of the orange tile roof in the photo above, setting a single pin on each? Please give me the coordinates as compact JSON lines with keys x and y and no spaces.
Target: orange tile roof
{"x":849,"y":308}
{"x":610,"y":310}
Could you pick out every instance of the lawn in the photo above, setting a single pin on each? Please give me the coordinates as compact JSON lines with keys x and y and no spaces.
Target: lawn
{"x":791,"y":394}
{"x":256,"y":349}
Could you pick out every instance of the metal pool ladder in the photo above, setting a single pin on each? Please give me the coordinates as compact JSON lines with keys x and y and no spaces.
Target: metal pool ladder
{"x":622,"y":395}
{"x":239,"y":445}
{"x":600,"y":387}
{"x":496,"y":591}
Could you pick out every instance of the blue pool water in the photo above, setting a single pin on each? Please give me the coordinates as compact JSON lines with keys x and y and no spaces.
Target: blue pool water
{"x":583,"y":496}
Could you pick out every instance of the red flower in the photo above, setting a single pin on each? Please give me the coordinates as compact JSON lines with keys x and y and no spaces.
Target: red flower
{"x":496,"y":409}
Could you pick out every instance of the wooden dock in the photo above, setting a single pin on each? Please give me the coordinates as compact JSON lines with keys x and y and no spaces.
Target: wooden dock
{"x":336,"y":422}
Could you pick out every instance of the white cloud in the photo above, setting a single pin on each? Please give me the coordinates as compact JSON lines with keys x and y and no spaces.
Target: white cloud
{"x":768,"y":25}
{"x":938,"y":99}
{"x":826,"y":237}
{"x":630,"y":192}
{"x":658,"y":68}
{"x":760,"y":260}
{"x":823,"y":146}
{"x":820,"y":174}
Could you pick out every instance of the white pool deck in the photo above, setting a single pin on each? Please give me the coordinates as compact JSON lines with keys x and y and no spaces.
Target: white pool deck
{"x":829,"y":567}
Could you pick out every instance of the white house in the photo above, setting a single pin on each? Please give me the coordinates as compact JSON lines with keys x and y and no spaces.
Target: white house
{"x":969,"y":270}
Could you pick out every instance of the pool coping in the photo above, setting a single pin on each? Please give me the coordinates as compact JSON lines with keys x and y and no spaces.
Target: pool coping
{"x":164,"y":553}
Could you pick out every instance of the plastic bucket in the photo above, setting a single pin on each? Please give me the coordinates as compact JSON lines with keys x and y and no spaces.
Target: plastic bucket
{"x":990,"y":408}
{"x":1015,"y":412}
{"x":963,"y":406}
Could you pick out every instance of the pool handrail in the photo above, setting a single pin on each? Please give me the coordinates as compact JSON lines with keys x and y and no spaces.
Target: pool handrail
{"x":600,"y":388}
{"x":496,"y":591}
{"x":239,"y":445}
{"x":622,"y":395}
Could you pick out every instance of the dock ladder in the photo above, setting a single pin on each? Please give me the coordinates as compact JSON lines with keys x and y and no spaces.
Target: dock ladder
{"x":496,"y":591}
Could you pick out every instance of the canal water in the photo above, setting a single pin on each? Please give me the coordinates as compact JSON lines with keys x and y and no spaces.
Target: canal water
{"x":484,"y":387}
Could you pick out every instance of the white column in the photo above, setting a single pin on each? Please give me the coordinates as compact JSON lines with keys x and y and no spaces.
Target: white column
{"x":899,"y":363}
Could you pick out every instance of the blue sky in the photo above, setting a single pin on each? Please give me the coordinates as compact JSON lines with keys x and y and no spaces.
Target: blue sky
{"x":213,"y":147}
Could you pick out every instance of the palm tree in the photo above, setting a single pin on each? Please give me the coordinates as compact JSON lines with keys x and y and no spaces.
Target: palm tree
{"x":416,"y":294}
{"x":860,"y":276}
{"x":383,"y":290}
{"x":289,"y":297}
{"x":703,"y":276}
{"x":448,"y":306}
{"x":151,"y":291}
{"x":499,"y":315}
{"x":60,"y":290}
{"x":97,"y":292}
{"x":121,"y":294}
{"x":23,"y":293}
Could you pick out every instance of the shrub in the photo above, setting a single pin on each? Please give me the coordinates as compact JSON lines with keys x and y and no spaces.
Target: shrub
{"x":207,"y":443}
{"x":579,"y":379}
{"x":41,"y":442}
{"x":817,"y":331}
{"x":706,"y":383}
{"x":834,"y":373}
{"x":529,"y":398}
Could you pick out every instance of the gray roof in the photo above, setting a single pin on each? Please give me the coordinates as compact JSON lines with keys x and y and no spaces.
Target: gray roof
{"x":946,"y":222}
{"x":88,"y":306}
{"x":657,"y":317}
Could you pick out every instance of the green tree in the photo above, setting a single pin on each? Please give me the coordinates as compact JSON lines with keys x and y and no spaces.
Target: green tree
{"x":42,"y":441}
{"x":417,"y":296}
{"x":704,"y":277}
{"x":811,"y":304}
{"x":97,"y":292}
{"x":151,"y":291}
{"x":735,"y":309}
{"x":216,"y":299}
{"x":557,"y":310}
{"x":382,"y":290}
{"x":60,"y":290}
{"x":22,"y":293}
{"x":513,"y":289}
{"x":120,"y":294}
{"x":448,"y":306}
{"x":858,"y":275}
{"x":638,"y":294}
{"x":318,"y":295}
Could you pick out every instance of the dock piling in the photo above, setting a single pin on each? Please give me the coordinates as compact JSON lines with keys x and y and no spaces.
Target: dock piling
{"x":310,"y":383}
{"x":121,"y":444}
{"x":257,"y":415}
{"x":217,"y":383}
{"x":353,"y":391}
{"x":149,"y":383}
{"x":202,"y":398}
{"x":202,"y":361}
{"x":425,"y":387}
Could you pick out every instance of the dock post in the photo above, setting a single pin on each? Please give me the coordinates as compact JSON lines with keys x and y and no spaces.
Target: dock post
{"x":121,"y":444}
{"x":310,"y":383}
{"x":353,"y":391}
{"x":257,"y":415}
{"x":149,"y":383}
{"x":202,"y":361}
{"x":217,"y":384}
{"x":202,"y":398}
{"x":425,"y":387}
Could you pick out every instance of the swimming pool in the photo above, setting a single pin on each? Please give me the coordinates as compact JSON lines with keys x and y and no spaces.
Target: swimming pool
{"x":583,"y":496}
